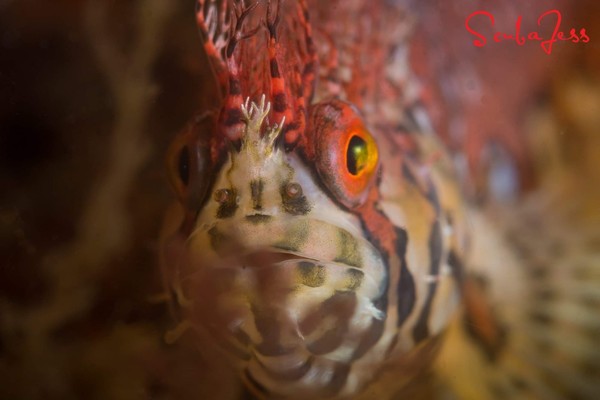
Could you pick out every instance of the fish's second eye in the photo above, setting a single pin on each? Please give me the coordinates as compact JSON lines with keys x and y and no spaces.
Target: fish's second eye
{"x":183,"y":165}
{"x":189,"y":162}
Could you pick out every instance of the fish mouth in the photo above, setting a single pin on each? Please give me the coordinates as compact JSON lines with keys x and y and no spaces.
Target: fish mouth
{"x":271,"y":257}
{"x":251,"y":251}
{"x":282,"y":244}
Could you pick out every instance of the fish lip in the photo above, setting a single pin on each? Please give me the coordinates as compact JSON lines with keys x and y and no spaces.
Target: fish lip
{"x":269,"y":257}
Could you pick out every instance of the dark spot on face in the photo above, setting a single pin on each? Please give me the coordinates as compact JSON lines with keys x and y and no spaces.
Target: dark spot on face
{"x":293,"y":203}
{"x":355,"y":278}
{"x":258,"y":218}
{"x":218,"y":241}
{"x":349,"y":253}
{"x":256,"y":191}
{"x":311,"y":275}
{"x":227,"y":199}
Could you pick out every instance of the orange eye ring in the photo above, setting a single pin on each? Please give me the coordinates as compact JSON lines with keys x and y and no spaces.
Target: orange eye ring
{"x":189,"y":161}
{"x":346,"y":155}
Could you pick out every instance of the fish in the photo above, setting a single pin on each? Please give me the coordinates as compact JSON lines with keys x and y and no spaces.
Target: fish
{"x":322,"y":240}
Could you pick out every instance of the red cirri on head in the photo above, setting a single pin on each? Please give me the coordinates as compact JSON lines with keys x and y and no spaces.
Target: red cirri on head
{"x":261,"y":49}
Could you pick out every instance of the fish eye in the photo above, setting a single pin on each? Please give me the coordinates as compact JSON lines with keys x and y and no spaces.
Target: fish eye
{"x":183,"y":165}
{"x":345,"y":153}
{"x":357,"y":154}
{"x":189,"y":162}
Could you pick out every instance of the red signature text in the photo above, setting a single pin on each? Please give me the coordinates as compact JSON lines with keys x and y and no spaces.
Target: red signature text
{"x":520,"y":37}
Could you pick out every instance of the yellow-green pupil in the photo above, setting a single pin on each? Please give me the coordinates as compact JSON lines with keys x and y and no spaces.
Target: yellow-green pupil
{"x":357,"y":155}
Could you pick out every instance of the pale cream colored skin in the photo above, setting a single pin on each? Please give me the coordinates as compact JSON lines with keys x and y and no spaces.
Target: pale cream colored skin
{"x":259,"y":160}
{"x":314,"y":238}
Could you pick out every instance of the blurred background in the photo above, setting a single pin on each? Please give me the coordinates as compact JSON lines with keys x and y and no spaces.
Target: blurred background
{"x":91,"y":93}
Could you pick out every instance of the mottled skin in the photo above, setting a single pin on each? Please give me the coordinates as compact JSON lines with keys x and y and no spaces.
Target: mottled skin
{"x":321,"y":238}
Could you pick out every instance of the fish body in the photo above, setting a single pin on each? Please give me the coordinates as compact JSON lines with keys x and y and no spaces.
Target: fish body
{"x":322,"y":238}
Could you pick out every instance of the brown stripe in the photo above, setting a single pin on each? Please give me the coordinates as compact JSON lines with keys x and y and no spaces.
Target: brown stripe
{"x":341,"y":306}
{"x":369,"y":338}
{"x":421,"y":329}
{"x":256,"y":192}
{"x":456,"y":266}
{"x":268,"y":323}
{"x":406,"y":283}
{"x":338,"y":380}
